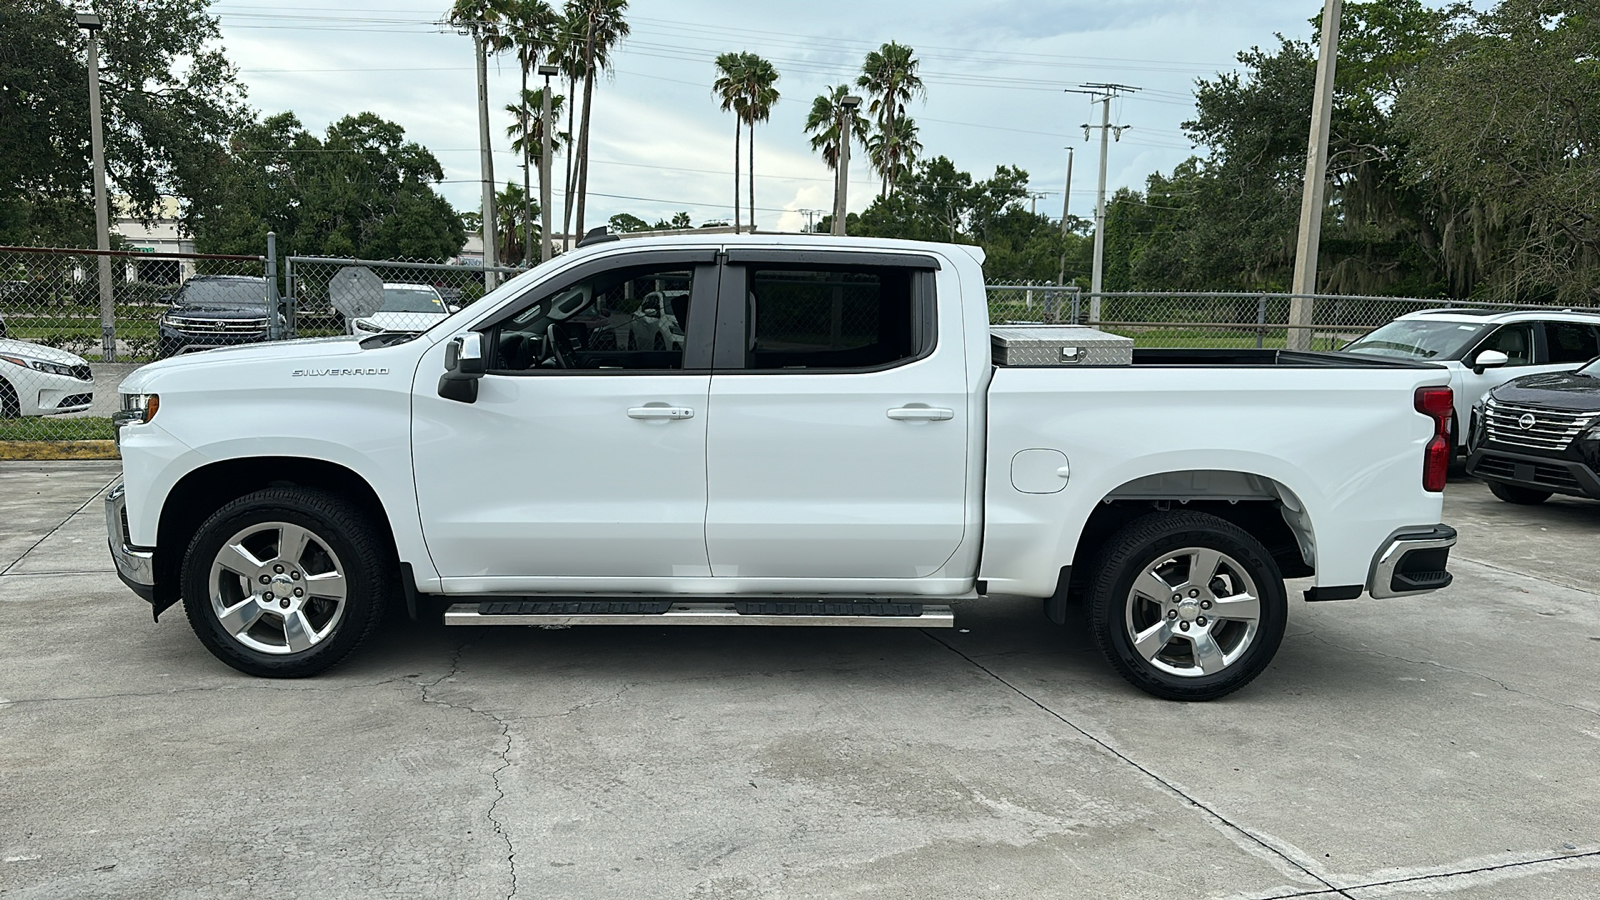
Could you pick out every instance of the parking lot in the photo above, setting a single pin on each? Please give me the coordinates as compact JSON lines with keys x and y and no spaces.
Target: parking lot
{"x":1443,"y":746}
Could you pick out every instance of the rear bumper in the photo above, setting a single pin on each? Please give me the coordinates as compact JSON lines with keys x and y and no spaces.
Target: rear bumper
{"x":135,"y":565}
{"x":1412,"y":561}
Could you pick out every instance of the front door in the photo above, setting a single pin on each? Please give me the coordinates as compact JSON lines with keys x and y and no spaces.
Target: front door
{"x":839,"y":430}
{"x":581,"y":465}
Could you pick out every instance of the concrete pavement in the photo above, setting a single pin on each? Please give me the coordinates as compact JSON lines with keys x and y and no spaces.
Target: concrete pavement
{"x":1443,"y":746}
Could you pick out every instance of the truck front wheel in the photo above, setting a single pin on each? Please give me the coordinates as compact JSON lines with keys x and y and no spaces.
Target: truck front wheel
{"x":1187,"y":606}
{"x":285,"y":582}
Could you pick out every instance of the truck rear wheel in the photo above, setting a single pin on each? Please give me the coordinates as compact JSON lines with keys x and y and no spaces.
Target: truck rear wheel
{"x":1187,"y":606}
{"x":285,"y":582}
{"x":1521,"y":496}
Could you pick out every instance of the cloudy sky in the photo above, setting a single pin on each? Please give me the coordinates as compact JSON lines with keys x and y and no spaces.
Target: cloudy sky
{"x":995,"y":73}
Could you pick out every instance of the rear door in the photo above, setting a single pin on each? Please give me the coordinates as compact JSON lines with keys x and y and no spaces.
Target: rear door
{"x":837,"y":446}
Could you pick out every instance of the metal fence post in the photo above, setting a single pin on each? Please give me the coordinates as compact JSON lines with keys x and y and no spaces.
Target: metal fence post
{"x":1077,"y":298}
{"x":291,"y":297}
{"x":1261,"y":319}
{"x":274,"y":302}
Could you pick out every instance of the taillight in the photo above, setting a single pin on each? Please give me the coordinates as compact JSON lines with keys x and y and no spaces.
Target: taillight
{"x":1437,"y":403}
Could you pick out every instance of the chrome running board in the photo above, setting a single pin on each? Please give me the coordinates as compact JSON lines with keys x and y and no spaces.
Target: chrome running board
{"x":858,"y":614}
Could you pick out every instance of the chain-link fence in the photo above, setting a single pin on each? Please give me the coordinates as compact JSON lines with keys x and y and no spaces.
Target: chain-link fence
{"x":65,"y":345}
{"x":68,"y":337}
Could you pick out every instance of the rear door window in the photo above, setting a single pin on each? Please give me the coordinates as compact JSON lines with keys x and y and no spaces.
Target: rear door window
{"x":1570,"y":342}
{"x":830,"y":318}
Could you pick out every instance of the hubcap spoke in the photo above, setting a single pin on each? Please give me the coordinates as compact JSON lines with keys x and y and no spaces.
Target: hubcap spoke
{"x":241,"y":617}
{"x":329,"y":585}
{"x":297,"y":631}
{"x":1240,"y":607}
{"x":1152,"y":584}
{"x":1152,"y":640}
{"x":292,"y":541}
{"x":236,"y":559}
{"x":1207,"y":655}
{"x":1203,"y":565}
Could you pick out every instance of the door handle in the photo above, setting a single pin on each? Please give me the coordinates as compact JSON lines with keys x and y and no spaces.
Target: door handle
{"x":660,"y":412}
{"x":921,"y":414}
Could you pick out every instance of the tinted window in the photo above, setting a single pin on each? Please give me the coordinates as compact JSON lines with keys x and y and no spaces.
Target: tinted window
{"x":1570,"y":342}
{"x":220,"y":292}
{"x":834,"y":318}
{"x":621,"y":319}
{"x":419,"y":299}
{"x":1515,"y":341}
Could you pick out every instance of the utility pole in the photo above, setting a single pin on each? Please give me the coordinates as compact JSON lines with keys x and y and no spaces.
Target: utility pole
{"x":490,"y":239}
{"x":842,"y":176}
{"x":1066,"y":204}
{"x":544,"y":167}
{"x":1302,"y":305}
{"x":1102,"y":94}
{"x":90,"y":23}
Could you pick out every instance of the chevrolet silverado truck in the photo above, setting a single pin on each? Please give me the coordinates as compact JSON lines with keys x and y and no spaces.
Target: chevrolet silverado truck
{"x":832,"y":443}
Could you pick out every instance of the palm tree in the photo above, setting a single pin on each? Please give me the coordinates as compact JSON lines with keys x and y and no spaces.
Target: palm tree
{"x":482,"y":19}
{"x":530,"y":27}
{"x":827,"y":113}
{"x":569,"y":57}
{"x":603,"y":26}
{"x":530,"y":143}
{"x":892,"y":153}
{"x":760,"y":93}
{"x":729,"y":88}
{"x":889,"y":75}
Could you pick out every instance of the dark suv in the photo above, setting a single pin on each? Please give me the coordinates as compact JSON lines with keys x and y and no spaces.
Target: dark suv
{"x":1536,"y":435}
{"x":215,"y":311}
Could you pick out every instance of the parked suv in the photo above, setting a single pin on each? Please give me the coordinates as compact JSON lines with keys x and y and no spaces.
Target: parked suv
{"x":1534,"y":436}
{"x":1483,"y":348}
{"x":215,"y":311}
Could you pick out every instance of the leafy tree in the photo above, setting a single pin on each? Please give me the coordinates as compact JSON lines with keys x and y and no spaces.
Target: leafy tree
{"x":823,"y":124}
{"x":360,"y":190}
{"x":894,"y":150}
{"x":625,"y":223}
{"x":169,"y":99}
{"x":678,"y":220}
{"x":889,"y":75}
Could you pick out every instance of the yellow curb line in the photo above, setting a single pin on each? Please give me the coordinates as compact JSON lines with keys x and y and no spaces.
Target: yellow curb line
{"x":36,"y":450}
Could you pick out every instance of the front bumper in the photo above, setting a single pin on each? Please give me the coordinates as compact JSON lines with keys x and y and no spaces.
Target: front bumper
{"x":135,"y":565}
{"x":1412,"y":562}
{"x":1557,"y":474}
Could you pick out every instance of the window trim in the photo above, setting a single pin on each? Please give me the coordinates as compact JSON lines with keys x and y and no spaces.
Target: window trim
{"x":730,"y":354}
{"x":699,"y":334}
{"x":875,"y":259}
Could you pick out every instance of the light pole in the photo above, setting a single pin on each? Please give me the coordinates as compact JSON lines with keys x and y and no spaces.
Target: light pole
{"x":1066,"y":204}
{"x":490,"y":238}
{"x":1102,"y":94}
{"x":544,"y":165}
{"x":840,"y":200}
{"x":90,"y":23}
{"x":1302,"y":305}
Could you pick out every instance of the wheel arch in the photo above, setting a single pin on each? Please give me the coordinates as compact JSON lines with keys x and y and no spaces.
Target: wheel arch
{"x":203,"y":491}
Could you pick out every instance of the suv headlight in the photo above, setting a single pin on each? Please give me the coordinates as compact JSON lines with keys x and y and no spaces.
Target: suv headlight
{"x":39,"y":365}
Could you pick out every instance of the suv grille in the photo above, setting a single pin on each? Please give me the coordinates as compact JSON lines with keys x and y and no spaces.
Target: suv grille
{"x":198,"y":326}
{"x":1546,"y":429}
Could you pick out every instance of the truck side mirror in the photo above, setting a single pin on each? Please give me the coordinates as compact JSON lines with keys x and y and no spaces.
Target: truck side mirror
{"x":464,"y":363}
{"x":1489,"y":359}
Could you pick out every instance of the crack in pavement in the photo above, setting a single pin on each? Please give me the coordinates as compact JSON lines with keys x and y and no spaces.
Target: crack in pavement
{"x":62,"y":524}
{"x":1519,"y":574}
{"x":1277,"y":852}
{"x":505,"y":758}
{"x":1459,"y":671}
{"x":173,"y":692}
{"x":1534,"y":866}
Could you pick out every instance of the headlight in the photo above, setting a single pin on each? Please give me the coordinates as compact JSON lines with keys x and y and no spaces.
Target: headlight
{"x":40,"y":366}
{"x":137,"y":409}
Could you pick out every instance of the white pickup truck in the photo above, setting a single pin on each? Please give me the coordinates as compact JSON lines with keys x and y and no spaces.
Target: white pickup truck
{"x":830,"y":443}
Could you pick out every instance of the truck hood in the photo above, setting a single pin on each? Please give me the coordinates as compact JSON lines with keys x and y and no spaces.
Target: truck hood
{"x":1552,"y":390}
{"x":306,"y":350}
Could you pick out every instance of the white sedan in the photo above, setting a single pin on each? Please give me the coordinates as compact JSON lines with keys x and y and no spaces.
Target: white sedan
{"x":406,"y":308}
{"x":42,"y":381}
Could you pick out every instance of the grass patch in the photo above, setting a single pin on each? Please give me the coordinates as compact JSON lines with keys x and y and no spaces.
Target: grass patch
{"x":49,"y":428}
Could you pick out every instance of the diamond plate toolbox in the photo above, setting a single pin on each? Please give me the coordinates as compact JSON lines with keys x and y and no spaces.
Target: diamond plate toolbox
{"x":1058,"y":345}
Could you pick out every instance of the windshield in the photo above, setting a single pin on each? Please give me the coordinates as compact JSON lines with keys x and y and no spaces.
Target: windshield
{"x":411,"y":300}
{"x":223,"y":293}
{"x":1418,"y":339}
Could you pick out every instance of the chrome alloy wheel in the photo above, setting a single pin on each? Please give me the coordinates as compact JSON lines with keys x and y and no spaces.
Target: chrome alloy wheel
{"x":1192,"y":612}
{"x":277,"y":588}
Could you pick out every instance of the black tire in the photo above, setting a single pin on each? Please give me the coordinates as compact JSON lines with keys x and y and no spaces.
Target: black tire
{"x":10,"y":406}
{"x":1521,"y":496}
{"x":341,"y":539}
{"x":1152,"y":544}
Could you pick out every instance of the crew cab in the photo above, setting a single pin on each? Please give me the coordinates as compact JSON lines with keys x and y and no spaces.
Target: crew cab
{"x":831,"y":443}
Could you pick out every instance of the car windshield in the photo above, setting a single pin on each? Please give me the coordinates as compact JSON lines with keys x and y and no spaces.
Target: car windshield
{"x":1418,"y":339}
{"x":411,"y":300}
{"x":223,"y":293}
